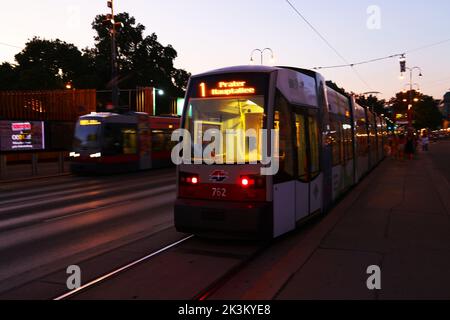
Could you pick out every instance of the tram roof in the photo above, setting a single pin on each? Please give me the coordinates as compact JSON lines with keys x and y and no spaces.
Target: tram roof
{"x":255,"y":69}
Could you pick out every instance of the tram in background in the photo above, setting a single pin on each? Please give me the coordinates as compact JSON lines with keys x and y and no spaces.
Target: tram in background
{"x":327,"y":144}
{"x":110,"y":142}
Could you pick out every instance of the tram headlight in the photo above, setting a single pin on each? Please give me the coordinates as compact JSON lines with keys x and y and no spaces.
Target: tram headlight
{"x":74,"y":155}
{"x":96,"y":155}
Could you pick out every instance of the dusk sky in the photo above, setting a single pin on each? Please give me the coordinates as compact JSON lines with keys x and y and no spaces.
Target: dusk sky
{"x":208,"y":34}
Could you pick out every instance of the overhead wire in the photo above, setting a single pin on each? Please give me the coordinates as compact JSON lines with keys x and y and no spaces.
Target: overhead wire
{"x":327,"y":42}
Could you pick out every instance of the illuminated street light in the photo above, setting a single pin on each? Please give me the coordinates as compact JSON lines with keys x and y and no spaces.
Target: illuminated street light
{"x":69,"y":85}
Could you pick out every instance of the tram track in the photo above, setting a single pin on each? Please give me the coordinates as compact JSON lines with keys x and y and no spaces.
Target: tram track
{"x":102,"y":287}
{"x":209,"y":291}
{"x":120,"y":270}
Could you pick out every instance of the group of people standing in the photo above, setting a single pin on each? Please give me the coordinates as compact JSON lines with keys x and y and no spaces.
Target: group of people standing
{"x":406,"y":145}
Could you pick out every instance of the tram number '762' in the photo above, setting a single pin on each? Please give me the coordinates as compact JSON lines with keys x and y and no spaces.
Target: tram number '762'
{"x":219,"y":192}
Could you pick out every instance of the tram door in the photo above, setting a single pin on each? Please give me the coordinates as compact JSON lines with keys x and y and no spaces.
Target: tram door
{"x":309,"y":185}
{"x":284,"y":196}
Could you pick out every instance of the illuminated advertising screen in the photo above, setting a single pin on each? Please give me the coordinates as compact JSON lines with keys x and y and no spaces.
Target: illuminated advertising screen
{"x":22,"y":135}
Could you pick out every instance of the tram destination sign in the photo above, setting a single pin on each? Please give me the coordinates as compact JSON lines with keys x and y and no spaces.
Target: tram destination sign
{"x":22,"y":136}
{"x":229,"y":85}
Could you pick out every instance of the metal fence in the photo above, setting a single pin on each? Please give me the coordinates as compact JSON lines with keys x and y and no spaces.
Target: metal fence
{"x":56,"y":105}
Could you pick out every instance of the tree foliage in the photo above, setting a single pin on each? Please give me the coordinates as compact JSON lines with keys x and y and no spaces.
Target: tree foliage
{"x":426,"y":111}
{"x":143,"y":61}
{"x":373,"y":103}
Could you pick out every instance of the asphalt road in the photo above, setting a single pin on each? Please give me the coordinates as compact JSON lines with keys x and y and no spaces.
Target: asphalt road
{"x":47,"y":225}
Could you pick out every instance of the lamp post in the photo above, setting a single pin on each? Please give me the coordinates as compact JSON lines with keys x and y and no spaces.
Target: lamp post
{"x":411,"y":100}
{"x":159,"y":92}
{"x":113,"y":27}
{"x":272,"y":59}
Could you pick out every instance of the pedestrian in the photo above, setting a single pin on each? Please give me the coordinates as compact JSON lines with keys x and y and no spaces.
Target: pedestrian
{"x":425,"y":141}
{"x":409,"y":146}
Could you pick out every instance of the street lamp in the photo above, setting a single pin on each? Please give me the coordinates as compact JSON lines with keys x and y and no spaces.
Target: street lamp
{"x":113,"y":26}
{"x":69,"y":85}
{"x":411,"y":84}
{"x":272,"y":58}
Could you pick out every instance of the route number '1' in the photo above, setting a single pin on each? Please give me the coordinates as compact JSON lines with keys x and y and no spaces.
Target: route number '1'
{"x":203,"y":89}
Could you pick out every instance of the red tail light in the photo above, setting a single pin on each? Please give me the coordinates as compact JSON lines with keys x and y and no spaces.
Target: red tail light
{"x":245,"y":182}
{"x":253,"y":182}
{"x":189,"y":179}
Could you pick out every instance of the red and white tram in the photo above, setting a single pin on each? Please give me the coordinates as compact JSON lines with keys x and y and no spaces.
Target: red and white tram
{"x":327,"y":143}
{"x":110,"y":142}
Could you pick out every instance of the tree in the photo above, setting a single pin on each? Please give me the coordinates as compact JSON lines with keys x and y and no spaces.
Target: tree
{"x":8,"y":76}
{"x":427,"y":114}
{"x":373,"y":103}
{"x":335,"y":87}
{"x":50,"y":64}
{"x":425,"y":109}
{"x":142,"y":60}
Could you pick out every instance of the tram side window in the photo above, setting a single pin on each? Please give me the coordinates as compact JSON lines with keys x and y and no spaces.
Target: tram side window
{"x":373,"y":139}
{"x":336,"y":142}
{"x":314,"y":140}
{"x":362,"y":139}
{"x":347,"y":128}
{"x":301,"y":147}
{"x":162,"y":140}
{"x":120,"y":139}
{"x":283,"y":122}
{"x":129,"y":140}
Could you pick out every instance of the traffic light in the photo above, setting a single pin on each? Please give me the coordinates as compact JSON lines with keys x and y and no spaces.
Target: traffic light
{"x":402,"y":64}
{"x":110,"y":4}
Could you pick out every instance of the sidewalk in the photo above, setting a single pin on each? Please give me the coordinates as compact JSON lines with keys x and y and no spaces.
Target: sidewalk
{"x":398,"y":218}
{"x":15,"y":172}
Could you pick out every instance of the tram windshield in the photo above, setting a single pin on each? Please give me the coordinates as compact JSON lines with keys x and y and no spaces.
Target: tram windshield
{"x":87,"y":134}
{"x":238,"y":121}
